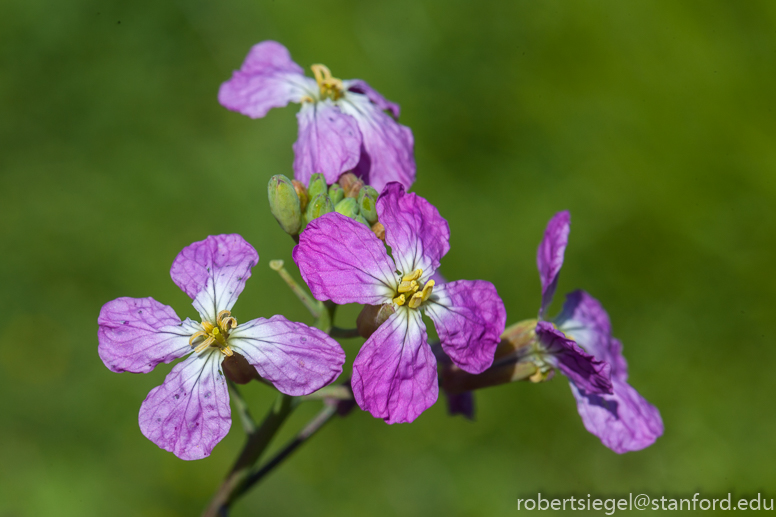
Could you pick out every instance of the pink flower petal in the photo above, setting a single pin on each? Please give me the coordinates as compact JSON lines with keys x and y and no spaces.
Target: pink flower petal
{"x":549,"y":256}
{"x":362,"y":87}
{"x":188,"y":414}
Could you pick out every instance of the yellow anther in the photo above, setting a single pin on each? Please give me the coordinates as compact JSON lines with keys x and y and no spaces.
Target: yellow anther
{"x":399,"y":300}
{"x":415,"y":301}
{"x":196,"y":335}
{"x":408,"y":286}
{"x":208,"y":327}
{"x":228,"y":323}
{"x":329,"y":86}
{"x":427,"y":289}
{"x":221,"y":315}
{"x":206,"y":343}
{"x":227,"y":351}
{"x":413,"y":276}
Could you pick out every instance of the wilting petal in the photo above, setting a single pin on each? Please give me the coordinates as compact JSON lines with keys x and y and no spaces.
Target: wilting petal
{"x":136,"y":334}
{"x":362,"y":87}
{"x":469,"y":317}
{"x":267,"y":79}
{"x":586,"y":371}
{"x":388,"y":153}
{"x":295,"y":358}
{"x":585,"y":321}
{"x":461,"y":404}
{"x":418,"y":236}
{"x":342,"y":260}
{"x":549,"y":256}
{"x":188,"y":414}
{"x":394,"y":374}
{"x":624,"y":420}
{"x":213,"y":272}
{"x":329,"y":142}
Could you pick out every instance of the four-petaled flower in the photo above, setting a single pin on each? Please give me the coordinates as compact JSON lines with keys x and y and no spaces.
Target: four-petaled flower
{"x":395,"y":374}
{"x":342,"y":124}
{"x":189,"y":413}
{"x":620,"y":417}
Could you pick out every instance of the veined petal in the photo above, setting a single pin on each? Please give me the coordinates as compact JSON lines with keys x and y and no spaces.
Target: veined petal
{"x":342,"y":260}
{"x":188,"y":414}
{"x":418,"y":236}
{"x":585,"y":321}
{"x":624,"y":420}
{"x":469,"y":317}
{"x":213,"y":272}
{"x":586,"y":371}
{"x":362,"y":87}
{"x":136,"y":334}
{"x":267,"y":79}
{"x":549,"y":256}
{"x":329,"y":142}
{"x":394,"y":374}
{"x":388,"y":147}
{"x":295,"y":358}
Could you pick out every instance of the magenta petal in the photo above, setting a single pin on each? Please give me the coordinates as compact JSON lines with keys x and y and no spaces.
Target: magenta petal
{"x":342,"y":260}
{"x":188,"y":414}
{"x":586,"y":371}
{"x":624,"y":420}
{"x":388,"y":146}
{"x":418,"y":236}
{"x":213,"y":272}
{"x":469,"y":317}
{"x":362,"y":87}
{"x":394,"y":374}
{"x":267,"y":79}
{"x":136,"y":334}
{"x":584,"y":320}
{"x":295,"y":358}
{"x":549,"y":256}
{"x":329,"y":142}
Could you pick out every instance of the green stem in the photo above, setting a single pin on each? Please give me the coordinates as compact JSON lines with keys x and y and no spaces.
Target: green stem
{"x":343,"y":333}
{"x":336,"y":392}
{"x":242,"y":409}
{"x":315,"y":307}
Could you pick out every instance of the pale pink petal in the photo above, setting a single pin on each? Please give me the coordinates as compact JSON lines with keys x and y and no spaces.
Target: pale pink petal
{"x":213,"y":272}
{"x":342,"y":260}
{"x":295,"y":358}
{"x":418,"y":236}
{"x":329,"y":142}
{"x":136,"y":334}
{"x":549,"y":256}
{"x":362,"y":87}
{"x":189,"y":414}
{"x":394,"y":374}
{"x":469,"y":317}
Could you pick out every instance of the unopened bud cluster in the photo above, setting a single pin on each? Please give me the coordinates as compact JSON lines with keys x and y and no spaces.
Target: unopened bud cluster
{"x":294,"y":206}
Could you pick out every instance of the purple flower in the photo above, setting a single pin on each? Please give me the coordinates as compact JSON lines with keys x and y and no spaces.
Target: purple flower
{"x":620,"y":417}
{"x":342,"y":124}
{"x":189,"y":413}
{"x":395,"y":374}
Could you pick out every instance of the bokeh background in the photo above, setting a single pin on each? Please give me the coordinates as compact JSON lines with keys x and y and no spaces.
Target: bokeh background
{"x":653,"y":122}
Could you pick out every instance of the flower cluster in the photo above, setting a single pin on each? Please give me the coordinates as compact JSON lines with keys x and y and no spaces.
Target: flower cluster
{"x":361,"y":238}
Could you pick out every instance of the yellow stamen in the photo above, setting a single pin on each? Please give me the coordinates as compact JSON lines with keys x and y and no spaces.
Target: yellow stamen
{"x":330,"y":87}
{"x":206,"y":343}
{"x":208,"y":327}
{"x":415,"y":301}
{"x":196,"y":335}
{"x":227,"y":351}
{"x":407,"y":286}
{"x":399,"y":300}
{"x":413,"y":276}
{"x":427,"y":289}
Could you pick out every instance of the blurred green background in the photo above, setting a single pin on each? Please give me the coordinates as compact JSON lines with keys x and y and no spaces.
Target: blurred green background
{"x":652,"y":121}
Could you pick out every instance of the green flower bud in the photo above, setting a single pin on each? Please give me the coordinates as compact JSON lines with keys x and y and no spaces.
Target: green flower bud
{"x":317,"y":185}
{"x":366,"y":204}
{"x":367,"y":189}
{"x":319,"y":205}
{"x":284,"y":204}
{"x":360,"y":218}
{"x":348,"y":207}
{"x":336,"y":193}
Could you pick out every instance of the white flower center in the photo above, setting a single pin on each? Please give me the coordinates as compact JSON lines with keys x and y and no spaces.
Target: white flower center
{"x":215,"y":336}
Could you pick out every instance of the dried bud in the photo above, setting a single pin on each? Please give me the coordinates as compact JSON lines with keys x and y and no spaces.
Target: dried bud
{"x":379,"y":230}
{"x":366,"y":204}
{"x":336,"y":193}
{"x":319,"y":205}
{"x":317,"y":185}
{"x":371,"y":317}
{"x":238,"y":369}
{"x":347,"y":181}
{"x":302,"y":193}
{"x":284,"y":204}
{"x":347,"y":207}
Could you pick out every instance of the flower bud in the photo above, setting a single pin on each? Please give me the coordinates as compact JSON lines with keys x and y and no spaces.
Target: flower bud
{"x":317,"y":185}
{"x":347,"y":207}
{"x":366,"y":205}
{"x":351,"y":184}
{"x":371,"y":317}
{"x":238,"y":369}
{"x":379,"y":230}
{"x":319,"y":205}
{"x":360,"y":219}
{"x":336,"y":193}
{"x":284,"y":204}
{"x":302,"y":193}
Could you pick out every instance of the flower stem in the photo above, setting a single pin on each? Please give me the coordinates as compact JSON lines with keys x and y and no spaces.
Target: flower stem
{"x":242,"y":409}
{"x":254,"y":447}
{"x":343,"y":333}
{"x":315,"y":307}
{"x":333,"y":391}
